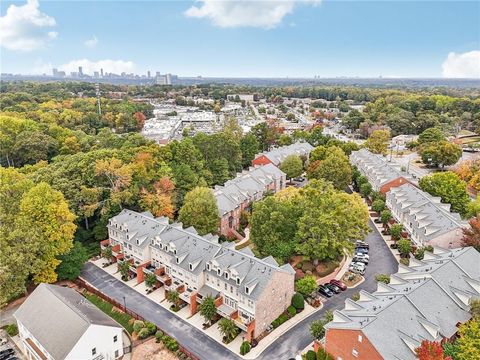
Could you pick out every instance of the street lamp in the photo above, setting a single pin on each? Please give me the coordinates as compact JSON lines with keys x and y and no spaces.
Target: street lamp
{"x":124,"y":305}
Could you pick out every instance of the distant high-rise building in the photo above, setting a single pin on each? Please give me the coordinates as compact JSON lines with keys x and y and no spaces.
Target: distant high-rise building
{"x":96,"y":74}
{"x":62,"y":74}
{"x":55,"y":72}
{"x":168,"y":79}
{"x":80,"y":71}
{"x":157,"y":73}
{"x":101,"y":72}
{"x":148,"y":74}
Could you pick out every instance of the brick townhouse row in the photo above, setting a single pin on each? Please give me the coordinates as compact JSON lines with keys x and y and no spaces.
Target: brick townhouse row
{"x":250,"y":291}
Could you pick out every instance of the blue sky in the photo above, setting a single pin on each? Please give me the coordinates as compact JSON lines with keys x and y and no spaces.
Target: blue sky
{"x":253,"y":38}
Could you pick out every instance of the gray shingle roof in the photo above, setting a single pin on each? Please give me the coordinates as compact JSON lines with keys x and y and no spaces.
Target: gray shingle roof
{"x":245,"y":186}
{"x":58,"y":317}
{"x":425,"y":212}
{"x":277,"y":155}
{"x":423,"y":301}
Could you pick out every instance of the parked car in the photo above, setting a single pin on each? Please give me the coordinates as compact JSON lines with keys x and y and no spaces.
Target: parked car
{"x":334,"y":288}
{"x":360,"y":243}
{"x":361,"y":251}
{"x":362,"y":256}
{"x":325,"y":291}
{"x":299,"y":179}
{"x":360,"y":260}
{"x":357,"y":267}
{"x":339,"y":284}
{"x":5,"y":354}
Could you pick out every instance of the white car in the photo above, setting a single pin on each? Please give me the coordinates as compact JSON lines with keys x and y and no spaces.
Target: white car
{"x":357,"y":267}
{"x":362,"y":256}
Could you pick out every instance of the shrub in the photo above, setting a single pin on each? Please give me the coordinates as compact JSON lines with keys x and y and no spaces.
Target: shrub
{"x":12,"y":329}
{"x":383,"y":278}
{"x":279,"y":321}
{"x":244,"y":348}
{"x":151,"y":327}
{"x":158,"y":336}
{"x":311,"y":355}
{"x":291,"y":310}
{"x":143,"y":333}
{"x":170,"y":343}
{"x":405,"y":261}
{"x":356,"y":297}
{"x":298,"y":302}
{"x":429,"y":248}
{"x":323,"y":355}
{"x":306,"y":286}
{"x":420,"y":253}
{"x":138,"y":325}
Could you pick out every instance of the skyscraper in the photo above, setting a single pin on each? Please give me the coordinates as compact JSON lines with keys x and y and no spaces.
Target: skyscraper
{"x":148,"y":74}
{"x":101,"y":72}
{"x":55,"y":72}
{"x":80,"y":71}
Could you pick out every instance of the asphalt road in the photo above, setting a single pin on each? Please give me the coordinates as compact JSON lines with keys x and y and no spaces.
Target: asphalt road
{"x":286,"y":346}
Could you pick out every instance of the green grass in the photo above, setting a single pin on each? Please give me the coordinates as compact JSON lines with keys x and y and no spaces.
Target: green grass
{"x":122,"y":318}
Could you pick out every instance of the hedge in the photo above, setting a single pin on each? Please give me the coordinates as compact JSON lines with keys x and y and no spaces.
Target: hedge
{"x":298,"y":302}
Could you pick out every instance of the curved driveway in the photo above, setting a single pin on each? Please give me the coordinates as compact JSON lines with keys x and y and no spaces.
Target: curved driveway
{"x":284,"y":347}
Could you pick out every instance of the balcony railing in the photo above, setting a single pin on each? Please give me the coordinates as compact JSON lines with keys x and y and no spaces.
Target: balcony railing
{"x":185,"y":296}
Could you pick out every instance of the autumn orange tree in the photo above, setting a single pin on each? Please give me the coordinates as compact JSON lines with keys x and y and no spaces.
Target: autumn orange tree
{"x":471,"y":236}
{"x":430,"y":350}
{"x":469,"y":171}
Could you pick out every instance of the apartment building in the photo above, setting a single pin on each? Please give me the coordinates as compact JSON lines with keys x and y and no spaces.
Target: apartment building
{"x":237,"y":195}
{"x":277,"y":155}
{"x":426,"y":300}
{"x":427,"y":220}
{"x":56,"y":323}
{"x":251,"y":291}
{"x":381,"y":174}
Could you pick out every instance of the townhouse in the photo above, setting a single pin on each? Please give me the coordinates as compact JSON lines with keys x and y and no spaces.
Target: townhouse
{"x":57,"y":323}
{"x":277,"y":155}
{"x":426,"y":300}
{"x":236,"y":195}
{"x":427,"y":220}
{"x":250,"y":291}
{"x":381,"y":174}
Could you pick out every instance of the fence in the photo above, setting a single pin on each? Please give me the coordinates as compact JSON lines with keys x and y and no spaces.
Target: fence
{"x":83,"y":284}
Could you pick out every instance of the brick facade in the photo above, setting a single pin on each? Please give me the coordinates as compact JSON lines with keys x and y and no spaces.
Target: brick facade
{"x":349,"y":344}
{"x":394,"y":183}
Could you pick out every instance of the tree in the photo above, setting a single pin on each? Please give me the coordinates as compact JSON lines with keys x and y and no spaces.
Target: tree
{"x":298,"y":301}
{"x":107,"y":253}
{"x":471,"y":236}
{"x":473,"y":208}
{"x":306,"y":285}
{"x":228,"y":329}
{"x":468,"y":342}
{"x":124,"y":268}
{"x":173,"y":297}
{"x":377,"y":142}
{"x":334,"y":168}
{"x":396,"y":231}
{"x":72,"y":262}
{"x":292,"y":166}
{"x":250,"y":147}
{"x":244,"y":348}
{"x":440,"y":154}
{"x":317,"y":329}
{"x":378,"y":206}
{"x":385,"y":217}
{"x":284,"y":140}
{"x":208,"y":309}
{"x":404,"y":247}
{"x":265,"y":135}
{"x":383,"y":278}
{"x":332,"y":220}
{"x":431,"y":135}
{"x":273,"y":224}
{"x":449,"y":187}
{"x":200,"y":211}
{"x":430,"y":350}
{"x":319,"y":153}
{"x":366,"y":189}
{"x":150,"y":280}
{"x":33,"y":146}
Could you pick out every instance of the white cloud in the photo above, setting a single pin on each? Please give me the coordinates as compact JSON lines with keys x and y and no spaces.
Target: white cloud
{"x":462,"y":65}
{"x":91,"y":43}
{"x":25,"y":27}
{"x":108,"y":65}
{"x":245,"y":13}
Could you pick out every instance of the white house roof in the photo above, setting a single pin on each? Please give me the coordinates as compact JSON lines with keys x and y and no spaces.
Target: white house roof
{"x":277,"y":155}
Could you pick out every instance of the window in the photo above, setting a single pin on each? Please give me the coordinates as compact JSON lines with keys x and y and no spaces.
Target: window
{"x":230,"y":222}
{"x":219,"y":272}
{"x":226,"y":275}
{"x":360,"y":338}
{"x":115,"y":338}
{"x":355,"y":352}
{"x":208,"y":267}
{"x":225,"y":286}
{"x":246,"y":290}
{"x":94,"y":351}
{"x":190,"y":266}
{"x":238,"y":281}
{"x":116,"y":354}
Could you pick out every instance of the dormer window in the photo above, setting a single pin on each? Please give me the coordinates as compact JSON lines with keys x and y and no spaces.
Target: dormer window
{"x":238,"y":281}
{"x":138,"y":242}
{"x":175,"y":251}
{"x":219,"y":271}
{"x":226,"y":275}
{"x":208,"y":266}
{"x":178,"y":260}
{"x":247,"y":290}
{"x":190,"y":266}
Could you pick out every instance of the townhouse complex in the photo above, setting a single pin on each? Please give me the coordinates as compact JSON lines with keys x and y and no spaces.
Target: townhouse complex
{"x":426,"y":300}
{"x":236,"y":195}
{"x":251,"y":291}
{"x":427,"y":220}
{"x":277,"y":155}
{"x":381,"y":174}
{"x":58,"y":323}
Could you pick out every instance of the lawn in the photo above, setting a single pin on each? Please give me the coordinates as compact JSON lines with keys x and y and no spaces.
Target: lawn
{"x":120,"y":317}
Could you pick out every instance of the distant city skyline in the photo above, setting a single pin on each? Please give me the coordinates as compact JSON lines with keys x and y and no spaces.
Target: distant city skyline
{"x":265,"y":39}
